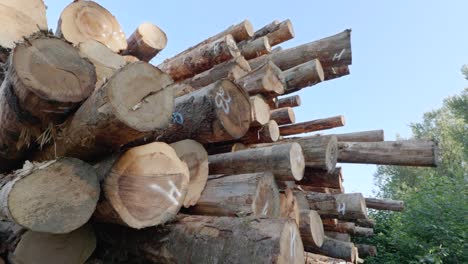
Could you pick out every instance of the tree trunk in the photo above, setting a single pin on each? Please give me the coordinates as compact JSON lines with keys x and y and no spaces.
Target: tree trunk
{"x":144,"y":187}
{"x":311,"y":229}
{"x":403,"y":153}
{"x":341,"y":206}
{"x":260,"y":111}
{"x":314,"y":125}
{"x":265,"y":134}
{"x":385,"y":204}
{"x":303,"y":75}
{"x":322,"y":178}
{"x":196,"y":157}
{"x":54,"y":197}
{"x":362,"y":136}
{"x":285,"y":161}
{"x":265,"y":80}
{"x":46,"y":80}
{"x":146,"y":42}
{"x":194,"y":61}
{"x":240,"y":195}
{"x":204,"y":239}
{"x":83,"y":20}
{"x":311,"y":258}
{"x":332,"y":51}
{"x":331,"y":73}
{"x":289,"y":101}
{"x":366,"y":250}
{"x":256,"y":47}
{"x":122,"y":111}
{"x":338,"y":236}
{"x":336,"y":249}
{"x":283,"y":116}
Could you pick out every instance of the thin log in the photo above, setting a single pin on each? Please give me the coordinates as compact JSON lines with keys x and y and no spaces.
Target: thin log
{"x":322,"y":178}
{"x":331,"y":73}
{"x":363,"y":231}
{"x":336,"y":249}
{"x":145,"y":186}
{"x":253,"y":194}
{"x":311,"y":229}
{"x":120,"y":112}
{"x":330,"y":222}
{"x":55,"y":197}
{"x":309,"y":188}
{"x":196,"y":157}
{"x":284,"y":31}
{"x":366,"y":250}
{"x":303,"y":75}
{"x":285,"y":161}
{"x":283,"y":116}
{"x":402,"y":153}
{"x":338,"y":236}
{"x":204,"y":239}
{"x":265,"y":80}
{"x":341,"y":206}
{"x":362,"y":136}
{"x":311,"y":258}
{"x":289,"y":101}
{"x":341,"y":227}
{"x":264,"y":134}
{"x":254,"y":48}
{"x":83,"y":20}
{"x":192,"y":62}
{"x":365,"y":223}
{"x":332,"y":51}
{"x":385,"y":204}
{"x":314,"y":125}
{"x":146,"y":42}
{"x":260,"y":111}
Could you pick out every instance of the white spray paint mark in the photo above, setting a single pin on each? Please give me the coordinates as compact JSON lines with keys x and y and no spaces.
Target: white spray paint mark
{"x":334,"y":70}
{"x":223,"y":102}
{"x":342,"y":208}
{"x":173,"y":193}
{"x":265,"y":208}
{"x":293,"y":240}
{"x":337,"y":56}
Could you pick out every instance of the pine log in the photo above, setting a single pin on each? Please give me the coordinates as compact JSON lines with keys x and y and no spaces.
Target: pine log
{"x":363,"y":231}
{"x":336,"y":249}
{"x":403,"y":153}
{"x":233,"y":70}
{"x":204,"y":239}
{"x":332,"y":51}
{"x":365,"y":223}
{"x":268,"y":28}
{"x":260,"y":111}
{"x":366,"y":250}
{"x":331,"y":73}
{"x":289,"y":101}
{"x":342,"y":227}
{"x":146,"y":42}
{"x":338,"y":236}
{"x":122,"y":111}
{"x":289,"y":208}
{"x":303,"y":75}
{"x":145,"y":186}
{"x":314,"y":125}
{"x":385,"y":204}
{"x":311,"y":229}
{"x":56,"y":196}
{"x":322,"y":178}
{"x":255,"y":47}
{"x":264,"y":134}
{"x":104,"y":59}
{"x":362,"y":136}
{"x":190,"y":63}
{"x":196,"y":157}
{"x":253,"y":194}
{"x":283,"y":116}
{"x":309,"y":188}
{"x":83,"y":20}
{"x":342,"y":206}
{"x":285,"y":161}
{"x":282,"y":32}
{"x":265,"y":80}
{"x":311,"y":258}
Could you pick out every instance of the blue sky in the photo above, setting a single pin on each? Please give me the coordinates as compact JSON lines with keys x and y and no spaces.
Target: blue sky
{"x":407,"y":55}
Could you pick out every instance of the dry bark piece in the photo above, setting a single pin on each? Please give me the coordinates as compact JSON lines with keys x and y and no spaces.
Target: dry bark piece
{"x":54,"y":197}
{"x":83,"y":20}
{"x":385,"y":204}
{"x":314,"y":125}
{"x":146,"y":42}
{"x":283,"y":116}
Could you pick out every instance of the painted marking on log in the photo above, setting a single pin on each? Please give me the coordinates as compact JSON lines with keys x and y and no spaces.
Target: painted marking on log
{"x":293,"y":240}
{"x":177,"y":118}
{"x":334,"y":70}
{"x":223,"y":102}
{"x":173,"y":193}
{"x":342,"y":208}
{"x":265,"y":208}
{"x":337,"y":57}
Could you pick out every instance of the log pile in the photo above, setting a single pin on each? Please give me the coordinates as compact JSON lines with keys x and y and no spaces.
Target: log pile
{"x":201,"y":152}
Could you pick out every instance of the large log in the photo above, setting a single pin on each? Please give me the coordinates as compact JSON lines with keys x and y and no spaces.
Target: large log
{"x":55,"y":197}
{"x":331,"y":73}
{"x":342,"y":206}
{"x":362,"y":136}
{"x":83,"y":20}
{"x":283,"y":116}
{"x":336,"y":249}
{"x":314,"y":125}
{"x":266,"y":133}
{"x":46,"y":80}
{"x":145,"y":186}
{"x":403,"y":153}
{"x":121,"y":111}
{"x":192,"y":62}
{"x":322,"y":178}
{"x":196,"y":157}
{"x":146,"y":42}
{"x":255,"y":47}
{"x":332,"y":51}
{"x":366,"y":250}
{"x":303,"y":75}
{"x":265,"y":80}
{"x":289,"y":101}
{"x":385,"y":204}
{"x":285,"y":161}
{"x":260,"y":111}
{"x":204,"y":239}
{"x":253,"y":194}
{"x":311,"y":258}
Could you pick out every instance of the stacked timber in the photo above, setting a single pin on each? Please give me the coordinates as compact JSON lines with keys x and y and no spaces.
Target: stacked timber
{"x":106,"y":158}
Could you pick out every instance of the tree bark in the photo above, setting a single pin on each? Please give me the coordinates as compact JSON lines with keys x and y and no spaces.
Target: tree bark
{"x":256,"y":47}
{"x":253,"y":194}
{"x":289,"y":101}
{"x":338,"y":236}
{"x":314,"y":125}
{"x":362,"y":136}
{"x":285,"y":161}
{"x":366,"y":250}
{"x":122,"y":111}
{"x":341,"y":206}
{"x":331,"y":73}
{"x":265,"y":134}
{"x":55,"y":197}
{"x":146,"y":42}
{"x":311,"y":258}
{"x":336,"y":249}
{"x":289,"y":208}
{"x":309,"y":188}
{"x":194,"y":61}
{"x":385,"y":204}
{"x":341,"y":227}
{"x":303,"y":75}
{"x":403,"y":153}
{"x":332,"y":51}
{"x":284,"y":31}
{"x":363,"y":231}
{"x":83,"y":20}
{"x":260,"y":111}
{"x":145,"y":186}
{"x":283,"y":116}
{"x":265,"y":80}
{"x":322,"y":178}
{"x":204,"y":239}
{"x":196,"y":157}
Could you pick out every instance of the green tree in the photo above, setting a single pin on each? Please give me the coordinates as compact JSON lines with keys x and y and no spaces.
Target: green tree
{"x":433,"y":227}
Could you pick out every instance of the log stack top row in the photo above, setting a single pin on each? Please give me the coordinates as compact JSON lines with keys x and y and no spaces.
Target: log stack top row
{"x":200,"y":152}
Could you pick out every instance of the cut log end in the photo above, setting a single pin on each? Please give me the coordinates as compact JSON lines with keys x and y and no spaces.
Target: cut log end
{"x":260,"y":110}
{"x":266,"y":201}
{"x":311,"y":228}
{"x":291,"y":247}
{"x":283,"y":116}
{"x":243,"y":31}
{"x":146,"y":42}
{"x":297,"y":161}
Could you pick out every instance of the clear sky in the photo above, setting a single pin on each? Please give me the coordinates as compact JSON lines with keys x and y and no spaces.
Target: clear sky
{"x":407,"y":55}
